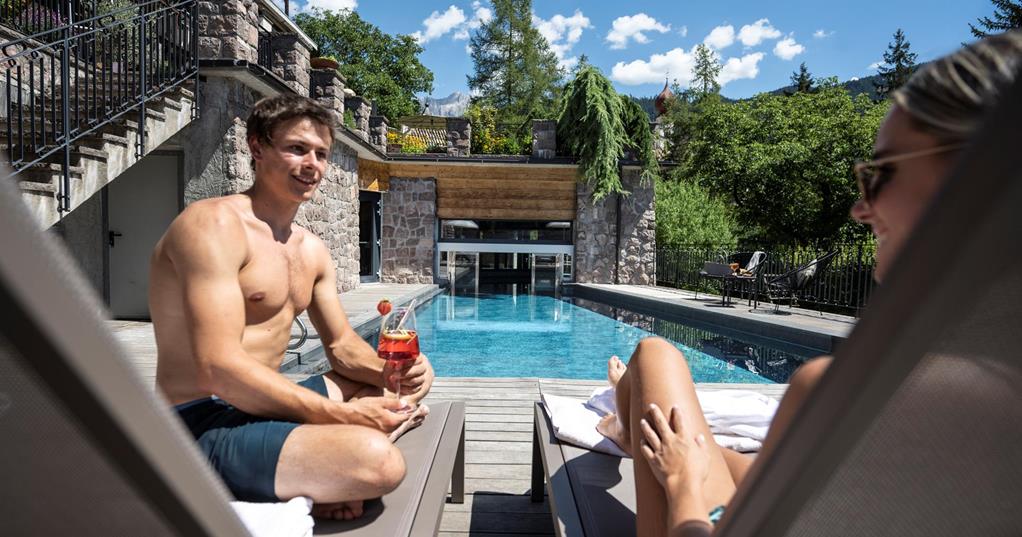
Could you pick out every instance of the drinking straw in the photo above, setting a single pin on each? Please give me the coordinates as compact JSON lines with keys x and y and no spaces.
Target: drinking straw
{"x":409,"y":309}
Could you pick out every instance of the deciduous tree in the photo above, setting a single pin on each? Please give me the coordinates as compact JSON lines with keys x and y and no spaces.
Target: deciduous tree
{"x":376,"y":65}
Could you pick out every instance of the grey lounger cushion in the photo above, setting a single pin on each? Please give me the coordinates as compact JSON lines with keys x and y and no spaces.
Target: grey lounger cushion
{"x":435,"y":456}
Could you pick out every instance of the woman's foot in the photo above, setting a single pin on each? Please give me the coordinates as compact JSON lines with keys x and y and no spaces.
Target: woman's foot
{"x":610,"y":427}
{"x":615,"y":370}
{"x":339,"y":511}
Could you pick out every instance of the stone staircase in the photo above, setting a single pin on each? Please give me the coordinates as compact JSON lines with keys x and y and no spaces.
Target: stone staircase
{"x":100,"y":156}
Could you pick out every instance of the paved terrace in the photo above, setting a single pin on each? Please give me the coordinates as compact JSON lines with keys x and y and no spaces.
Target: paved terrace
{"x":499,"y":410}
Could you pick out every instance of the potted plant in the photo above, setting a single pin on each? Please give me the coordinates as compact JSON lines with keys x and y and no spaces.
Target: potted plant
{"x":324,"y":62}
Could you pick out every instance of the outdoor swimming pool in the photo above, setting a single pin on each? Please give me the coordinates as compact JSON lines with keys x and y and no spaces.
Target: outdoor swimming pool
{"x":526,"y":335}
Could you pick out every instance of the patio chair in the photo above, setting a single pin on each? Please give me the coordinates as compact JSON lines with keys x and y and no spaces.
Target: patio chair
{"x":89,"y":450}
{"x":913,"y":430}
{"x":787,"y":286}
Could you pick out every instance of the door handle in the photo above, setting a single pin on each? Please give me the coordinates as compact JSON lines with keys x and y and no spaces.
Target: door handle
{"x":112,"y":236}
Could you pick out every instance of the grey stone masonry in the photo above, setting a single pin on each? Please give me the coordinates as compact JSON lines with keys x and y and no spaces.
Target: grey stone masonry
{"x":291,"y":61}
{"x":595,"y":236}
{"x":378,"y":132}
{"x":326,"y":86}
{"x":360,"y":109}
{"x":615,"y":238}
{"x":544,"y":138}
{"x":637,"y":228}
{"x":229,"y":29}
{"x":408,"y":218}
{"x":459,"y":136}
{"x":332,"y":215}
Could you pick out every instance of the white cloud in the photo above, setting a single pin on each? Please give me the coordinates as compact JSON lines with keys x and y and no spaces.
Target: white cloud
{"x":720,"y":37}
{"x":874,"y":66}
{"x":633,"y":27}
{"x":822,"y":34}
{"x":683,"y":32}
{"x":438,"y":24}
{"x":737,"y":68}
{"x":753,"y":34}
{"x":330,"y":5}
{"x":562,"y":33}
{"x":480,"y":16}
{"x":675,"y":63}
{"x":787,"y":48}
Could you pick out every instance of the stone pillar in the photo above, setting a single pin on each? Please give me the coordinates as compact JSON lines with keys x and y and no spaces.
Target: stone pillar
{"x":229,"y":29}
{"x":326,"y":86}
{"x":459,"y":136}
{"x":637,"y":223}
{"x":544,"y":138}
{"x":378,"y":132}
{"x":595,"y":236}
{"x":408,"y":218}
{"x":291,"y":61}
{"x":360,"y":109}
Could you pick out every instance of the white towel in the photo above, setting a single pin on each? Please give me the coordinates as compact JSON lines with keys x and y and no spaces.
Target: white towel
{"x":738,"y":419}
{"x":285,"y":519}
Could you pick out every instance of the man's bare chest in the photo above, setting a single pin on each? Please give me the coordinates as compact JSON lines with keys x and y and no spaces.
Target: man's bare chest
{"x":276,"y":279}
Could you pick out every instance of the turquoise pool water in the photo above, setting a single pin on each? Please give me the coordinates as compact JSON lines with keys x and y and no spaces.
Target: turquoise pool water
{"x":543,"y":336}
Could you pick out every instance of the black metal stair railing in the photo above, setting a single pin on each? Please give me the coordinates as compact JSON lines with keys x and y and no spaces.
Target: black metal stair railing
{"x":70,"y":81}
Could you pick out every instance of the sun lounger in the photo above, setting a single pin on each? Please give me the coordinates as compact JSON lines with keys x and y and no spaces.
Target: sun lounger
{"x":88,"y":450}
{"x":914,"y":429}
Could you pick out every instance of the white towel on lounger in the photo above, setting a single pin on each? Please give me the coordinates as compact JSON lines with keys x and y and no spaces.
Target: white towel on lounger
{"x":277,"y":519}
{"x":738,"y":419}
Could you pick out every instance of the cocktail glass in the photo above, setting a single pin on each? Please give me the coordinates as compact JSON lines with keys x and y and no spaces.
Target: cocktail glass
{"x":399,"y":342}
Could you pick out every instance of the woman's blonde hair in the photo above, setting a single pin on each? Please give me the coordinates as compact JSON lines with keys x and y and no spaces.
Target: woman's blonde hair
{"x":949,"y":97}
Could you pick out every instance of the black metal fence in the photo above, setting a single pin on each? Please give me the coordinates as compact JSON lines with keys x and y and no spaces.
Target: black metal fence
{"x":68,"y":81}
{"x":844,"y":287}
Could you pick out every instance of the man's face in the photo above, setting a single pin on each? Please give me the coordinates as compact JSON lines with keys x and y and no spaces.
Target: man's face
{"x":293,"y":164}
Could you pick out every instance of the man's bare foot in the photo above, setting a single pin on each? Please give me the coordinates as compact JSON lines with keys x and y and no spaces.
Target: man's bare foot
{"x":610,"y":427}
{"x":415,"y":418}
{"x":338,"y":511}
{"x":615,"y":370}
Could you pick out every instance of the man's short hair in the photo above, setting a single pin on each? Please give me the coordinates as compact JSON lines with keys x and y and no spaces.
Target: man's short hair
{"x":270,"y":112}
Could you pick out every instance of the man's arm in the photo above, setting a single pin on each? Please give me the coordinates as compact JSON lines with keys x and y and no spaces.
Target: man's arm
{"x":349,"y":355}
{"x":207,"y":247}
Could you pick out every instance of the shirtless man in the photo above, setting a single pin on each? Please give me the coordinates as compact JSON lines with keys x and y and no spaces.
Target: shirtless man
{"x":227,"y":281}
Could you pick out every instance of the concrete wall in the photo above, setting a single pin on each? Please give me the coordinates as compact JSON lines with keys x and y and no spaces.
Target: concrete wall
{"x":409,"y":220}
{"x":615,"y":238}
{"x":82,"y":233}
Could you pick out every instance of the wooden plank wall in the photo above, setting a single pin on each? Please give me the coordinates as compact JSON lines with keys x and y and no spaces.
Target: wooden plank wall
{"x":489,"y":191}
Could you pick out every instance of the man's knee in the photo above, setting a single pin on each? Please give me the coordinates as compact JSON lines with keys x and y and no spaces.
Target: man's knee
{"x":388,"y":467}
{"x":654,"y":352}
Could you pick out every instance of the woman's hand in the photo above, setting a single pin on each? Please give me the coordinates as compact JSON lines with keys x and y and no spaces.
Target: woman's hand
{"x":677,"y":453}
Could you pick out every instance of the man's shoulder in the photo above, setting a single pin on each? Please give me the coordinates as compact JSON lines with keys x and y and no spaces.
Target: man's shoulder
{"x":212,"y":215}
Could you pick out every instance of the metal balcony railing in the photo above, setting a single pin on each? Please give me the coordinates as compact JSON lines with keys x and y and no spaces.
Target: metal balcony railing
{"x":71,"y":78}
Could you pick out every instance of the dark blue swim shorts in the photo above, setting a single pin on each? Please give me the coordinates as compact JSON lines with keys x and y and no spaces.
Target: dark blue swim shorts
{"x":242,"y":448}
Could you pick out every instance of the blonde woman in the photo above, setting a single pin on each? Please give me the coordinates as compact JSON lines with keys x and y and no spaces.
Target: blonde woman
{"x":683,"y":480}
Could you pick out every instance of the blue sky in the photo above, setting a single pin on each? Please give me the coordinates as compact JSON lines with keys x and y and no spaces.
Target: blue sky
{"x":636,"y":43}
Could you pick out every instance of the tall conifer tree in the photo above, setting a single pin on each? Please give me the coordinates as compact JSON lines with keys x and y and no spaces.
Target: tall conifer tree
{"x":515,"y":70}
{"x":705,"y":71}
{"x":899,"y":64}
{"x":803,"y":80}
{"x":1007,"y":16}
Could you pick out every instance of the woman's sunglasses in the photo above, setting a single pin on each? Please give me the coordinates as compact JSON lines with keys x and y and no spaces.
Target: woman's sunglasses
{"x":873,"y":175}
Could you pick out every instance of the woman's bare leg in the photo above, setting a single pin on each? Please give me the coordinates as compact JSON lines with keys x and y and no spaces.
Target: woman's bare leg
{"x":658,"y":374}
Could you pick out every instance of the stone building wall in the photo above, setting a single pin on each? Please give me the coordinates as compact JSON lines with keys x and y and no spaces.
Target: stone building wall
{"x":360,"y":110}
{"x":229,"y":29}
{"x":408,"y":219}
{"x":459,"y":137}
{"x":82,"y":233}
{"x":615,"y":238}
{"x":378,"y":132}
{"x":326,"y":86}
{"x":595,"y":236}
{"x":637,"y":226}
{"x":217,"y":162}
{"x":291,"y":61}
